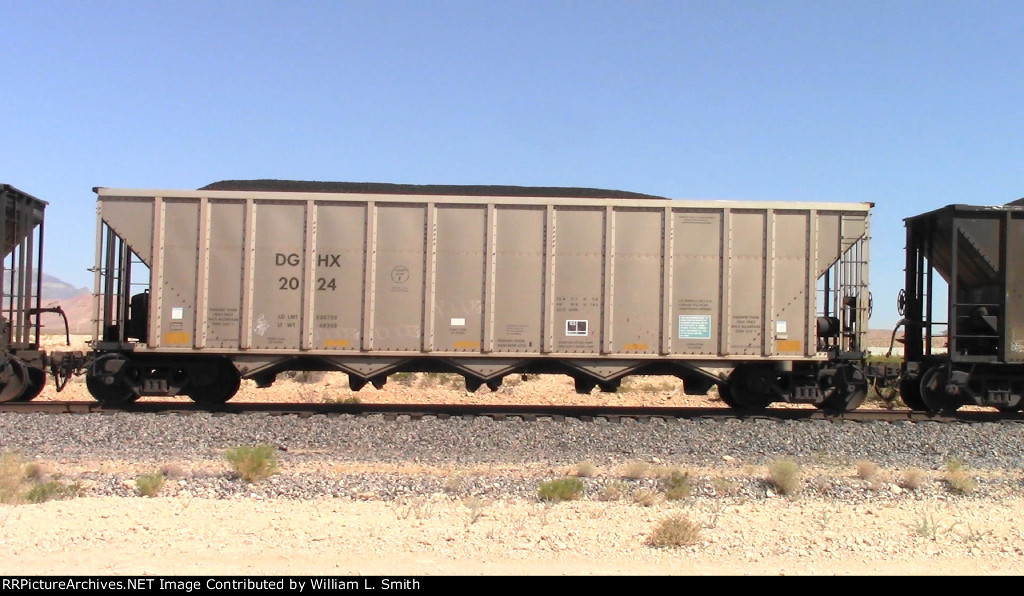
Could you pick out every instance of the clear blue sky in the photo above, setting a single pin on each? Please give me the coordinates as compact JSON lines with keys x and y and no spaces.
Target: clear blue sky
{"x":910,"y":105}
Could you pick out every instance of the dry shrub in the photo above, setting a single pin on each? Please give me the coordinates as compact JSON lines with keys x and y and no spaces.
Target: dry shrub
{"x":615,"y":490}
{"x":585,"y":469}
{"x":677,"y":485}
{"x":867,"y":470}
{"x":675,"y":531}
{"x":958,"y":478}
{"x":12,"y":479}
{"x":784,"y":474}
{"x":455,"y":484}
{"x":636,"y":470}
{"x":173,"y":471}
{"x":22,"y":482}
{"x":646,"y":497}
{"x":724,"y":486}
{"x":912,"y":479}
{"x":476,"y":506}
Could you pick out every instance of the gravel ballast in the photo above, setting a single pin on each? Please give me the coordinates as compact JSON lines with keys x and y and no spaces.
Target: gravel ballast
{"x":346,"y":455}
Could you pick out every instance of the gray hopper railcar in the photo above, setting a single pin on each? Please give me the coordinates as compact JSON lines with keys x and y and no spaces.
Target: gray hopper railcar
{"x":199,"y":289}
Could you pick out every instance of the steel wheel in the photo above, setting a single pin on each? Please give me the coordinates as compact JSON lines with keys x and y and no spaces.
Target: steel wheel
{"x":750,"y":388}
{"x":725,"y":394}
{"x":933,"y":392}
{"x":849,"y":388}
{"x":13,"y":379}
{"x":106,"y":380}
{"x":214,"y":383}
{"x":34,"y":386}
{"x":910,"y":393}
{"x":113,"y":394}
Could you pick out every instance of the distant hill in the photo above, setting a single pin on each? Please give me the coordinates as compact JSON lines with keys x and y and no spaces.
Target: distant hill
{"x":55,"y":289}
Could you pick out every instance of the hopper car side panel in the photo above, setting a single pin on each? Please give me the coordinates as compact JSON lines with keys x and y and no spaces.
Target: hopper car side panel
{"x":372,"y":284}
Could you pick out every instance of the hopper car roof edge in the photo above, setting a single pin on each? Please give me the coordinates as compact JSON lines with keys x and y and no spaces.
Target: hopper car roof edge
{"x":961,"y":207}
{"x":7,"y":188}
{"x":519,"y":200}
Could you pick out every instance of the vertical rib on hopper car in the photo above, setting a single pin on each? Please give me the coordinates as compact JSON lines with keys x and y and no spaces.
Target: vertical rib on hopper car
{"x":197,"y":289}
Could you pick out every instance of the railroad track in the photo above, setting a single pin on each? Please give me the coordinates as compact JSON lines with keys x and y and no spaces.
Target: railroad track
{"x":499,"y":412}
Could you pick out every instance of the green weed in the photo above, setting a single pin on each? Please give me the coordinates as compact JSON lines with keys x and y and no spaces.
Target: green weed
{"x":562,"y":489}
{"x":253,"y":464}
{"x":149,"y":485}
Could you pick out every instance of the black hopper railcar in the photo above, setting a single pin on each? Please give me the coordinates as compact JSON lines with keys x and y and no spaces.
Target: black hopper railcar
{"x":977,"y":302}
{"x":23,"y":363}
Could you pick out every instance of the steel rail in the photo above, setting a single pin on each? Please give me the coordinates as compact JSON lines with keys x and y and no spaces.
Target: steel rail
{"x":524,"y":412}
